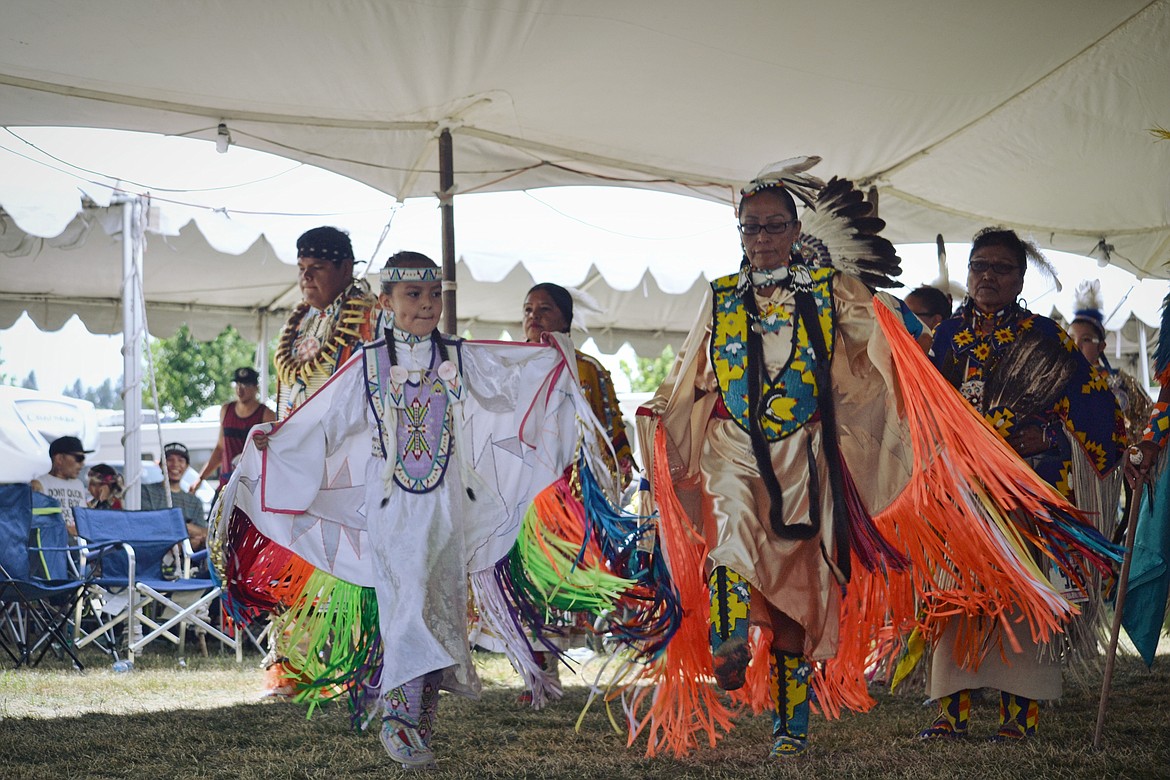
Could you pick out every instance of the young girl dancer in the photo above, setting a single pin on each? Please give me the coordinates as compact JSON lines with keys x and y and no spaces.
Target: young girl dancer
{"x":454,"y":439}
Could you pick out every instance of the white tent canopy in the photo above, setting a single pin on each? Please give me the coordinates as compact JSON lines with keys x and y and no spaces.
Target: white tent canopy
{"x":1034,"y":115}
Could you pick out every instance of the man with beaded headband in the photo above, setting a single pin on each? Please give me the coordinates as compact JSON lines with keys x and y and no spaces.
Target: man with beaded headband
{"x":404,"y":478}
{"x":336,"y":316}
{"x":800,"y":431}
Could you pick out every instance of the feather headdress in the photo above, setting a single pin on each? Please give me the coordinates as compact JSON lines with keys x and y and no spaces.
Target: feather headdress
{"x":839,"y":229}
{"x":1087,"y":304}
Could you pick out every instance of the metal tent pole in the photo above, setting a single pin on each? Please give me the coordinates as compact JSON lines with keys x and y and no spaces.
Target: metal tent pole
{"x":447,"y":210}
{"x":262,"y":357}
{"x":131,"y":356}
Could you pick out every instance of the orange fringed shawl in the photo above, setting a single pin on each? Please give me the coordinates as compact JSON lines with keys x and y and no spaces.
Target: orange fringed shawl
{"x":967,"y":519}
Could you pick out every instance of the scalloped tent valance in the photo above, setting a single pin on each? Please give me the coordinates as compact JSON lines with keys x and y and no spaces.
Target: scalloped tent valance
{"x":187,"y":281}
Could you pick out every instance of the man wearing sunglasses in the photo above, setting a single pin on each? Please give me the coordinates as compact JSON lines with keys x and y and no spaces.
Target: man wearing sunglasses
{"x":63,"y":482}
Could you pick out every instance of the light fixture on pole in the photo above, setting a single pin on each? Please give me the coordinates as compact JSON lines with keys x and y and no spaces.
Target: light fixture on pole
{"x":1103,"y":252}
{"x":222,"y":138}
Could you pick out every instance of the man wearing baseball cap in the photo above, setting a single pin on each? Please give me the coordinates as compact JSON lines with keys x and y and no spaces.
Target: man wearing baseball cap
{"x":175,"y":462}
{"x":236,"y":418}
{"x":63,"y":482}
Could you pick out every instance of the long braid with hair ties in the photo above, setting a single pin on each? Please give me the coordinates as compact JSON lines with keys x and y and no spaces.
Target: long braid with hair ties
{"x":437,"y":341}
{"x":391,"y":347}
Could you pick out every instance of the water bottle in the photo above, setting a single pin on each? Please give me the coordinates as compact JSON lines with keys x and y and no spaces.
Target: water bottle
{"x":122,"y":665}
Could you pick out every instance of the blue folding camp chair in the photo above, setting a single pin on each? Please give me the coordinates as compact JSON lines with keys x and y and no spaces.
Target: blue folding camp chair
{"x":39,"y":586}
{"x":136,"y":570}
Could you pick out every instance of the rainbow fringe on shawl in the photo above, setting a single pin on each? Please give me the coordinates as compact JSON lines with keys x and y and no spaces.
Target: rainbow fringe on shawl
{"x":968,"y":522}
{"x":571,"y":555}
{"x":330,"y":627}
{"x":586,"y":555}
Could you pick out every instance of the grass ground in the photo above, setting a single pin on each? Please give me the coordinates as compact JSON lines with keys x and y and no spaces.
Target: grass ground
{"x":203,"y":720}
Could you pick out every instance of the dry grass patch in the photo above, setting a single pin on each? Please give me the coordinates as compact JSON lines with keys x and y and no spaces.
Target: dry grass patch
{"x":203,"y":721}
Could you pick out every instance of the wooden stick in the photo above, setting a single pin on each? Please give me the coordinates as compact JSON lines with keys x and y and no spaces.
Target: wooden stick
{"x":1135,"y":503}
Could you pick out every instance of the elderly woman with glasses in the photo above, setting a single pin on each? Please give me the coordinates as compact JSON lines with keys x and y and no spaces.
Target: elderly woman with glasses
{"x":1027,"y":378}
{"x":754,"y":455}
{"x":813,"y":473}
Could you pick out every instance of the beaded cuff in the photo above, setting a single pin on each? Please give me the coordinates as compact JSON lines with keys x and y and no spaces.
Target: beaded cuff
{"x":1159,"y":426}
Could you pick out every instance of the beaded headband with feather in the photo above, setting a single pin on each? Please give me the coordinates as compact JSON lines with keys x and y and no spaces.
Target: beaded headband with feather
{"x":790,"y":175}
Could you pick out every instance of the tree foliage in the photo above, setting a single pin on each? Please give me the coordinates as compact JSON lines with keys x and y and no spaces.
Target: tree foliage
{"x":105,"y":396}
{"x":649,"y":373}
{"x":30,"y":381}
{"x":193,"y":374}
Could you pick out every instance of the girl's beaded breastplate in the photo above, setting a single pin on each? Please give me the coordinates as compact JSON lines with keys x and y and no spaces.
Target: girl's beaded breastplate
{"x":422,"y":438}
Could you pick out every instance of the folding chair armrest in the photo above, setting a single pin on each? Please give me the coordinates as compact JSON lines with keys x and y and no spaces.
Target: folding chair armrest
{"x":98,"y":551}
{"x":201,"y":555}
{"x":89,"y":549}
{"x":92,"y":553}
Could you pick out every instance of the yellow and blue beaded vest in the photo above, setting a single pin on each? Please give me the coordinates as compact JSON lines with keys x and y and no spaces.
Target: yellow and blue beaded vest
{"x":788,"y":400}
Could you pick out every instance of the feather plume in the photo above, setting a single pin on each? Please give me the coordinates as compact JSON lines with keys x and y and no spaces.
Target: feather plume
{"x":1087,"y":304}
{"x":943,"y":282}
{"x":954,"y":290}
{"x":585,"y":307}
{"x":840,"y":231}
{"x":1015,"y":385}
{"x":1041,"y":263}
{"x":1087,"y":296}
{"x":789,"y":174}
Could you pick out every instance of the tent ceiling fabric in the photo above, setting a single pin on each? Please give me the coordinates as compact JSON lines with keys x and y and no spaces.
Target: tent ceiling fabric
{"x":1035,"y":115}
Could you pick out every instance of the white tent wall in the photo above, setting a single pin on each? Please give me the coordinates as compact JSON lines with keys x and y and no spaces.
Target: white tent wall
{"x":1033,"y":115}
{"x":187,"y":281}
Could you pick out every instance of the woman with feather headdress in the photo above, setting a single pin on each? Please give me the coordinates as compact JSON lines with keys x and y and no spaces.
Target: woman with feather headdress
{"x":817,"y":481}
{"x":1024,"y":374}
{"x":1087,"y":330}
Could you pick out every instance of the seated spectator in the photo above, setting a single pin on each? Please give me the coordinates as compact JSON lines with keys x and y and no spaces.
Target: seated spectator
{"x":62,"y":482}
{"x":105,"y":487}
{"x":176,"y":460}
